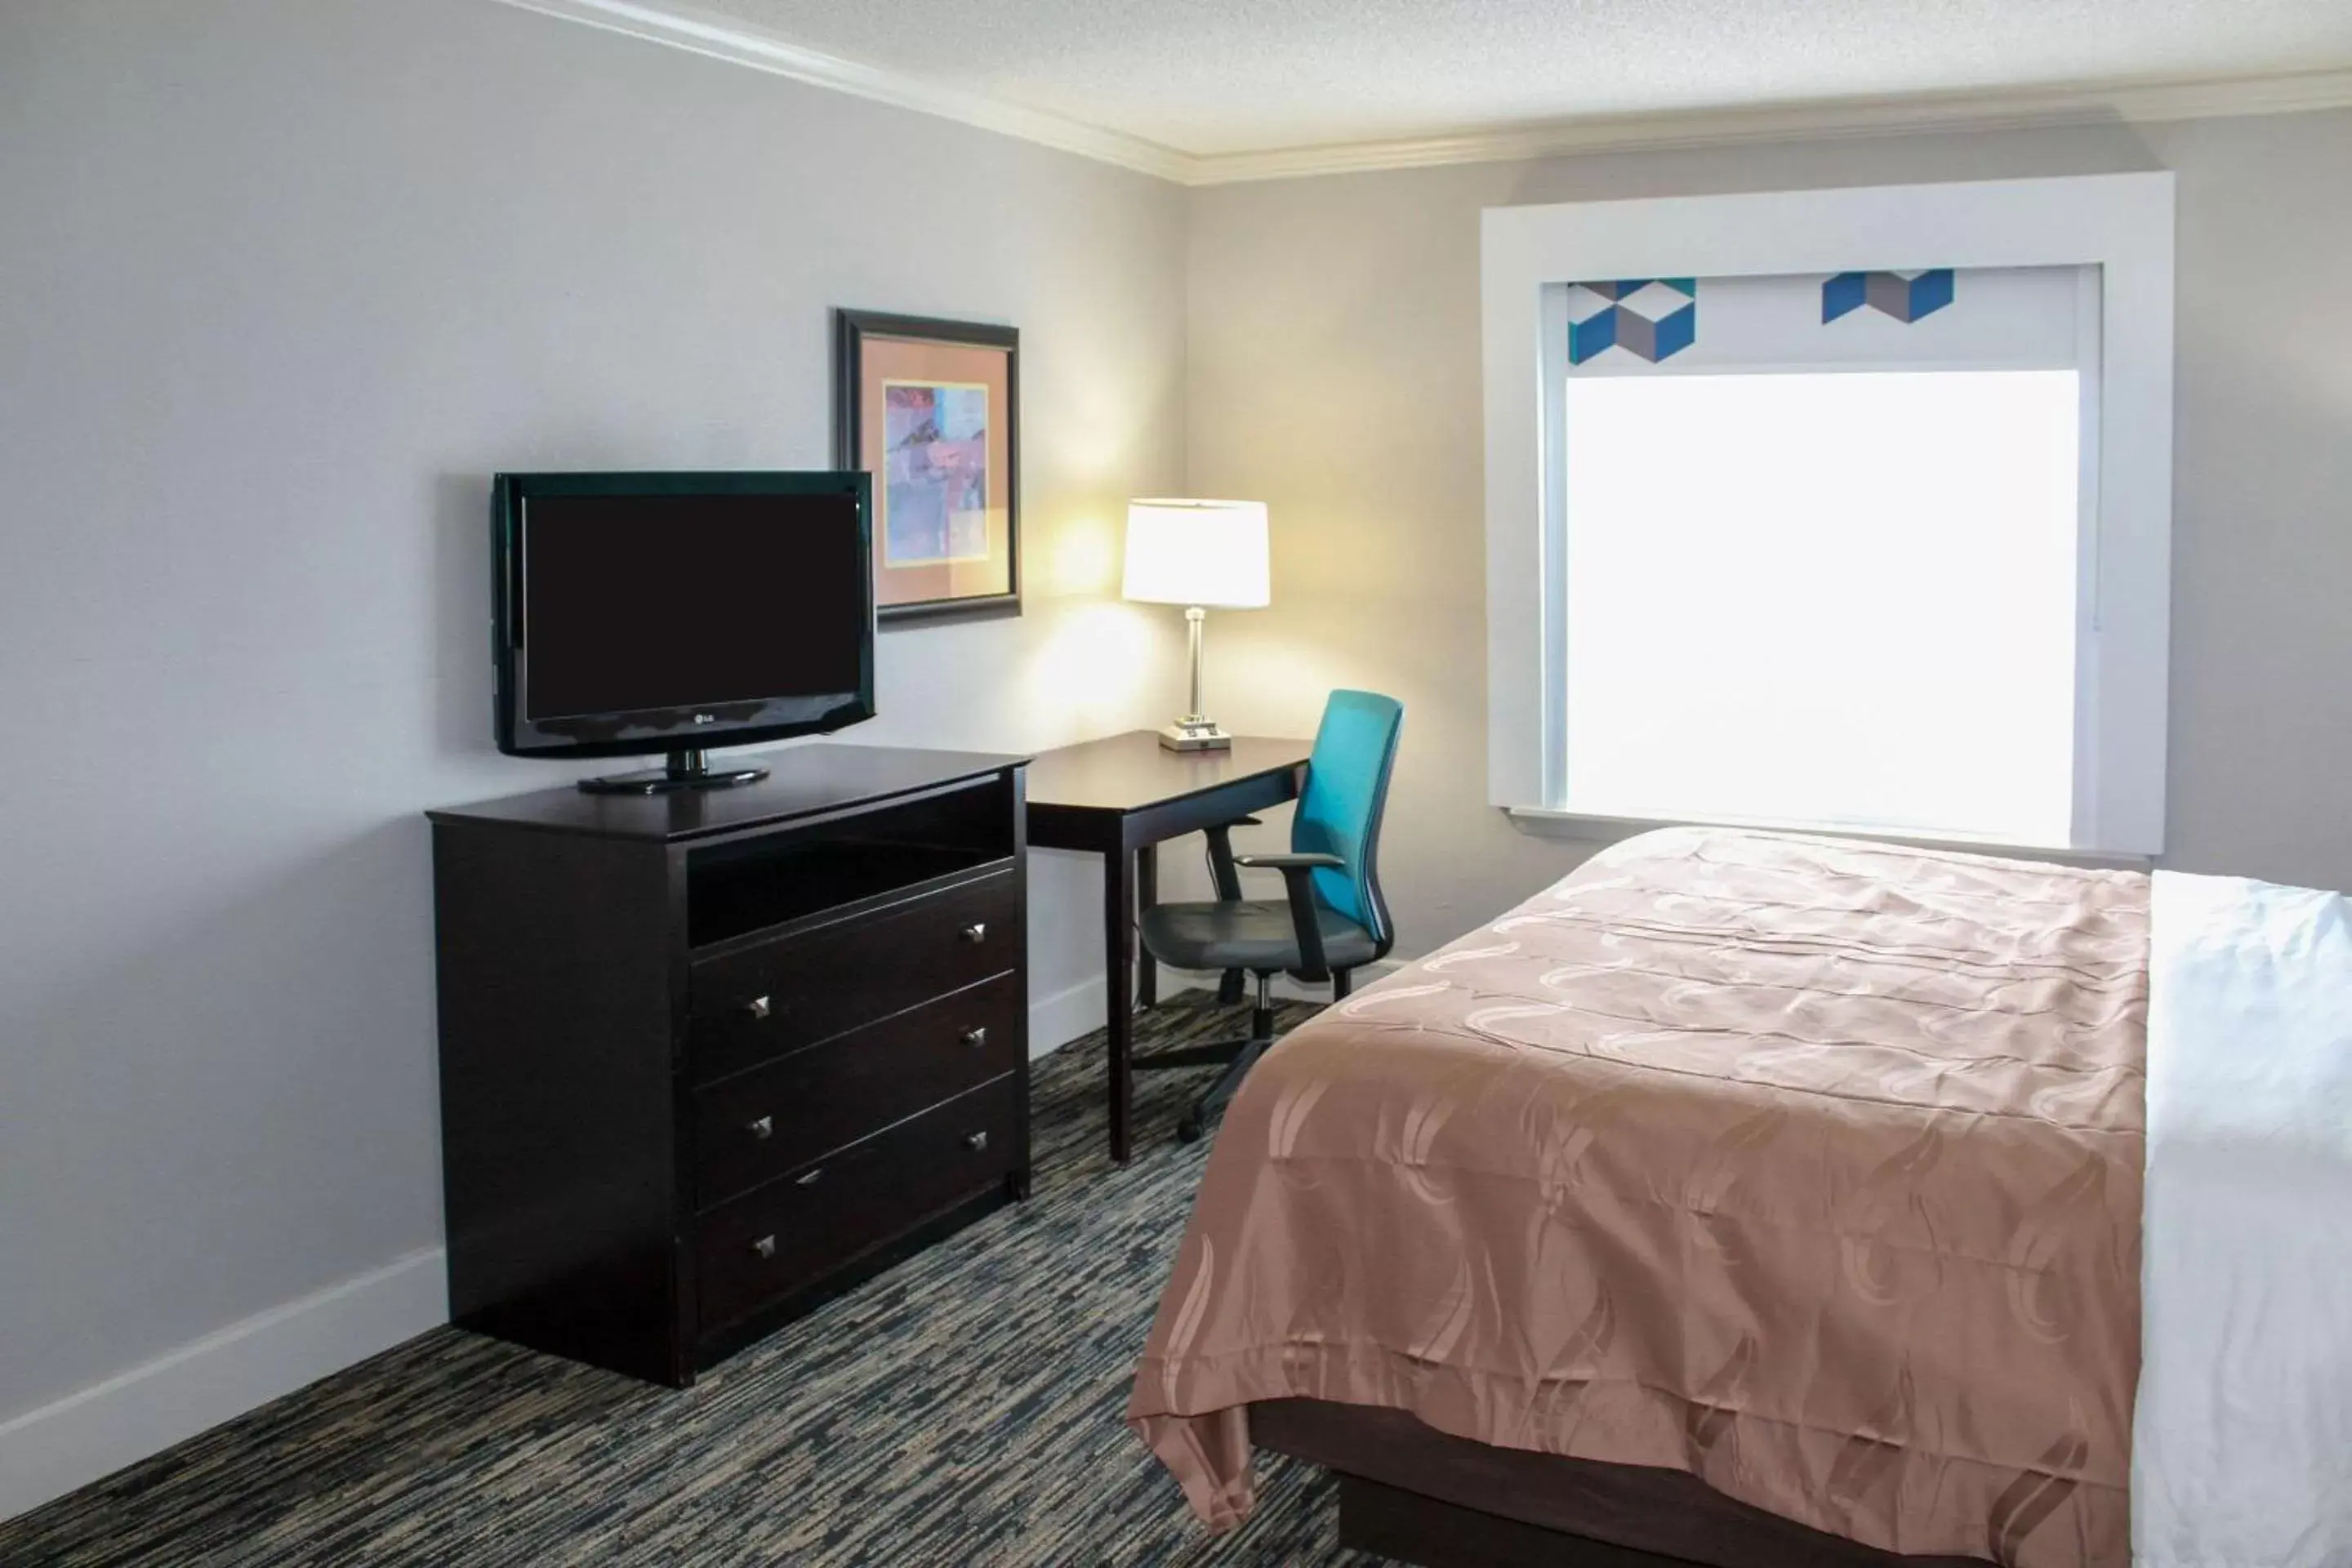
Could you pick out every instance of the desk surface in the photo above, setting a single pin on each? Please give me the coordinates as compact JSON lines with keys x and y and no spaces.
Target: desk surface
{"x":1125,"y":772}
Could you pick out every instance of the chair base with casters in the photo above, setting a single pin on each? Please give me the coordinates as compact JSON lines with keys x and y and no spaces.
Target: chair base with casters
{"x":1237,"y":1056}
{"x":1330,"y":922}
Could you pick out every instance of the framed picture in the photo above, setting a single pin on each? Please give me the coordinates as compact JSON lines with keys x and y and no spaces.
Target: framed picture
{"x":932,"y":410}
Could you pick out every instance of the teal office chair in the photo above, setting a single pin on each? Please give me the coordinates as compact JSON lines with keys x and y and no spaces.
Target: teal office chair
{"x":1331,"y":919}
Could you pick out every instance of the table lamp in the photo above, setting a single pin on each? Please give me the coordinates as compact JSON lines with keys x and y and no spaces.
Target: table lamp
{"x":1196,"y":553}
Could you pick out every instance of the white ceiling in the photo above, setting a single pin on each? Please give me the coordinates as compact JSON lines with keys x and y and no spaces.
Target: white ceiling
{"x":1223,"y":77}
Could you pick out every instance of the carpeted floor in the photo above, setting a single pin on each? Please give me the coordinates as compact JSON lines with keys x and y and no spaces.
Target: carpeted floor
{"x":961,"y":1409}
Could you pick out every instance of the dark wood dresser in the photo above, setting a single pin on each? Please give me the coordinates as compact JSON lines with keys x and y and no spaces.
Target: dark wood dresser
{"x":710,"y":1058}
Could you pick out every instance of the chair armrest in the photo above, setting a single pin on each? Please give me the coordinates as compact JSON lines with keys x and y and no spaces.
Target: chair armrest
{"x":1220,"y":858}
{"x":1297,"y":871}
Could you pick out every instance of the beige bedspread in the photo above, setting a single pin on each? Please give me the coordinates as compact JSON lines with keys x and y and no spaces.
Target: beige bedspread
{"x":1810,"y":1167}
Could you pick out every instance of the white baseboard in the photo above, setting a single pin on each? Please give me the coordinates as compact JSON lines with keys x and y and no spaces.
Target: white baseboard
{"x":47,"y":1452}
{"x":1284,"y":988}
{"x":1062,"y":1018}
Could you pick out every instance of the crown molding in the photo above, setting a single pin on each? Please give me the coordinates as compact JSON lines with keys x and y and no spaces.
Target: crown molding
{"x":741,"y":43}
{"x":685,"y":26}
{"x":2133,"y":103}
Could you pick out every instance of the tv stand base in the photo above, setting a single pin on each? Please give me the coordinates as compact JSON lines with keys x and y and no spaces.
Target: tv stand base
{"x":686,"y":770}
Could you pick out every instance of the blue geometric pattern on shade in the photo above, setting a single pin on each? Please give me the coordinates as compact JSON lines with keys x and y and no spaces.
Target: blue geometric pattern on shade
{"x":1620,"y":288}
{"x":1845,"y":292}
{"x":1592,"y":336}
{"x":1907,"y":298}
{"x":1638,"y":332}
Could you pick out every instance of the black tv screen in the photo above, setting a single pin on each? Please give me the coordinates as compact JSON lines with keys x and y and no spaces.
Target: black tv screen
{"x":651,"y":612}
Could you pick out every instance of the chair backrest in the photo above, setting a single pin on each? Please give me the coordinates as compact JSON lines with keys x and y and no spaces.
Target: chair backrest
{"x":1340,"y":810}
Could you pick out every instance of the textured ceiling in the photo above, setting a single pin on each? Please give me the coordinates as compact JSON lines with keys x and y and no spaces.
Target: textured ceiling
{"x":1212,"y":76}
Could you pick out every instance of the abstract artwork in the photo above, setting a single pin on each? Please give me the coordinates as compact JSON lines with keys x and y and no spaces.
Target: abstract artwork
{"x":934,"y":484}
{"x":932,"y":410}
{"x":1649,"y":318}
{"x":1905,"y":296}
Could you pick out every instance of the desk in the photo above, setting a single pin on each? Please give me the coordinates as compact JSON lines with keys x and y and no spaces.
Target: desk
{"x":1120,"y":797}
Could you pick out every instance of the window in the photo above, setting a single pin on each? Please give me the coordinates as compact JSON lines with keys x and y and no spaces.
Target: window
{"x":1862,"y":587}
{"x":1817,"y":546}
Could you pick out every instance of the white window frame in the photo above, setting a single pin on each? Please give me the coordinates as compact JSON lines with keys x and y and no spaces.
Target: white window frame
{"x":2121,"y":224}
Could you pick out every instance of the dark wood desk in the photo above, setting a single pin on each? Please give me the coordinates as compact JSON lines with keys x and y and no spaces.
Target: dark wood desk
{"x":1120,"y":798}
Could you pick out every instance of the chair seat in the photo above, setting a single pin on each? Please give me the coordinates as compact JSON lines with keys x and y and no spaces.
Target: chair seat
{"x":1253,"y":934}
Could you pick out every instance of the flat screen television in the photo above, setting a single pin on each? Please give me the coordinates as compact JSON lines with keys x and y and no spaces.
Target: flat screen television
{"x":641,"y":614}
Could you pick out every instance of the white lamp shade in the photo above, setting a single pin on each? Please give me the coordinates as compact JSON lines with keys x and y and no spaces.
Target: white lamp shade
{"x":1207,"y":552}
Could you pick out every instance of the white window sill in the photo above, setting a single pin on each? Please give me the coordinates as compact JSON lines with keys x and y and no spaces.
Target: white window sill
{"x":1550,"y":822}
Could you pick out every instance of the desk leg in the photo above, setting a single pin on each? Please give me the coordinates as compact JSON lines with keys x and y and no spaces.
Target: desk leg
{"x":1146,"y":893}
{"x":1117,"y":924}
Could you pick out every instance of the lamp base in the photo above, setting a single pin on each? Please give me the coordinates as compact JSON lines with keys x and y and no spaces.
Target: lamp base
{"x":1194,"y":735}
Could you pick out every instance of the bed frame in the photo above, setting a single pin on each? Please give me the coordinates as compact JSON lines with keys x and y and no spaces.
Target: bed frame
{"x":1412,"y":1492}
{"x":1390,"y":1522}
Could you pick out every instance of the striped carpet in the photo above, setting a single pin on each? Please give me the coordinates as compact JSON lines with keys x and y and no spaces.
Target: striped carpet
{"x":961,"y":1409}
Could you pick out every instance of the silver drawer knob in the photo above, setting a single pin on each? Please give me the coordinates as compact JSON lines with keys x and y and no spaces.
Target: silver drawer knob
{"x":975,"y":1142}
{"x":976,"y":1036}
{"x":976,"y":931}
{"x":764,"y":1247}
{"x":757,"y":1006}
{"x":763,"y":1128}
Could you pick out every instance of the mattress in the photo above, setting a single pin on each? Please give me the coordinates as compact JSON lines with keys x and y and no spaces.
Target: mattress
{"x":1811,"y":1169}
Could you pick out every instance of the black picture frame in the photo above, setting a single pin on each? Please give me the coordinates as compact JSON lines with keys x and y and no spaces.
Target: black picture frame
{"x":850,"y":330}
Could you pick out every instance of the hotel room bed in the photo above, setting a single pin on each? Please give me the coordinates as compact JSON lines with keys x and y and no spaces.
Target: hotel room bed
{"x":1811,"y":1169}
{"x":1752,"y":1199}
{"x":1755,"y":1200}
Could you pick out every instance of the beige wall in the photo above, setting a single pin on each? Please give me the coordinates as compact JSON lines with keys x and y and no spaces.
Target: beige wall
{"x":283,"y":282}
{"x":1334,"y":372}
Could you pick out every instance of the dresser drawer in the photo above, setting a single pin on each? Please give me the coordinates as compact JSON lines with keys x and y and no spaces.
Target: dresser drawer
{"x":791,"y":1233}
{"x":763,"y":1001}
{"x":757,"y":1125}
